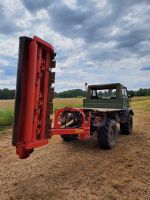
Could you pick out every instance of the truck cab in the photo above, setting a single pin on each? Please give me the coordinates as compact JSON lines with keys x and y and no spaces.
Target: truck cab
{"x":111,"y":96}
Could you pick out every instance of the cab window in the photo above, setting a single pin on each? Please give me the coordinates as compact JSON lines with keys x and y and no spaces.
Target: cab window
{"x":103,"y":94}
{"x":124,"y":93}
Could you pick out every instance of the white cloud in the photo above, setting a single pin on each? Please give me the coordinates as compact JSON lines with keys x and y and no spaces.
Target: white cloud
{"x":96,"y":41}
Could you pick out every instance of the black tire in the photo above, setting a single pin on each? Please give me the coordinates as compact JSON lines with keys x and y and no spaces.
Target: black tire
{"x":68,"y":138}
{"x":107,"y":134}
{"x":127,"y":127}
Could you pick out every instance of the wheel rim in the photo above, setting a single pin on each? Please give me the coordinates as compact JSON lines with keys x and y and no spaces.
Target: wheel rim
{"x":113,"y":135}
{"x":131,"y":124}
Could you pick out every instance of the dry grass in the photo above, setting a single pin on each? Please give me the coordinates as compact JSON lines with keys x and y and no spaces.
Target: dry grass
{"x":137,"y":102}
{"x":141,"y":103}
{"x":80,"y":170}
{"x":6,"y":104}
{"x":58,"y":103}
{"x":70,"y":102}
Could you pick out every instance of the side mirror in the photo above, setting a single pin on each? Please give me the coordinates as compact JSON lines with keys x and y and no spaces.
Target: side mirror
{"x":86,"y":90}
{"x":130,"y":95}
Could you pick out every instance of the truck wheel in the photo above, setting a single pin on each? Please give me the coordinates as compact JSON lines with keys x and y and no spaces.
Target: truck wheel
{"x":68,"y":138}
{"x":107,"y":134}
{"x":127,"y":127}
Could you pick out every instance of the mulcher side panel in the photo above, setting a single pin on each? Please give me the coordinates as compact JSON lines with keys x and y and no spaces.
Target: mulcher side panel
{"x":23,"y":50}
{"x":34,"y":95}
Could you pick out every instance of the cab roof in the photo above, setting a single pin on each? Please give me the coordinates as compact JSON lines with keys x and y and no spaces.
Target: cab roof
{"x":106,"y":86}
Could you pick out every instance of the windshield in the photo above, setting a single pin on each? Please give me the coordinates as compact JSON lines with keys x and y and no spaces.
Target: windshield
{"x":103,"y":94}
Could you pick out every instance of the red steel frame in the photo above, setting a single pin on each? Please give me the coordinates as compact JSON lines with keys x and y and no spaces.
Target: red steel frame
{"x":83,"y":131}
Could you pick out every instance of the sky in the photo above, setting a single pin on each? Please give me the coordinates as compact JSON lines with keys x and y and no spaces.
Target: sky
{"x":96,"y":41}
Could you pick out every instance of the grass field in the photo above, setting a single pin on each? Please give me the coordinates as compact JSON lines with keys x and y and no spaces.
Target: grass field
{"x":7,"y":107}
{"x":79,"y":169}
{"x":6,"y":113}
{"x":142,"y":103}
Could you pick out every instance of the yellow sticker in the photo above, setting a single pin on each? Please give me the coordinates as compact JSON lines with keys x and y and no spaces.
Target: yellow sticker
{"x":79,"y":130}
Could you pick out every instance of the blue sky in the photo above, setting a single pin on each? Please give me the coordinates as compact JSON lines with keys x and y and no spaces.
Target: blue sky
{"x":96,"y":41}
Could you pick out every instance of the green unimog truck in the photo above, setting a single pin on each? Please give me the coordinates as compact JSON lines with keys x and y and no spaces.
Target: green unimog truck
{"x":109,"y":105}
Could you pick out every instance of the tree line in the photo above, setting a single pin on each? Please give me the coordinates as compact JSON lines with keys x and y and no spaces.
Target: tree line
{"x":140,"y":92}
{"x":10,"y":94}
{"x":7,"y":94}
{"x":70,"y":93}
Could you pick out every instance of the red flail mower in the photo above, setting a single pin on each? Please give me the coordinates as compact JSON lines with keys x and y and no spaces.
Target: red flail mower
{"x":34,"y":101}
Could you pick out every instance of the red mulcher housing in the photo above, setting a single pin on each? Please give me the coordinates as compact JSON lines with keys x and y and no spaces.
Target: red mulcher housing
{"x":34,"y":100}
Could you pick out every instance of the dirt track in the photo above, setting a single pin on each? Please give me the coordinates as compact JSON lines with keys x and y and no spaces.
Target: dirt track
{"x":79,"y":170}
